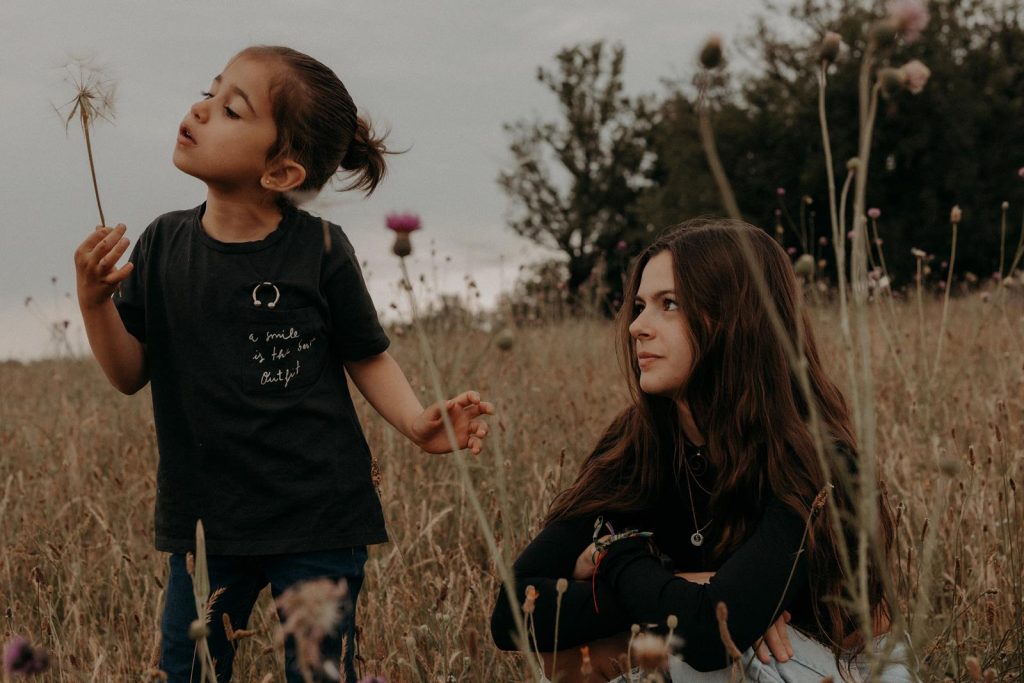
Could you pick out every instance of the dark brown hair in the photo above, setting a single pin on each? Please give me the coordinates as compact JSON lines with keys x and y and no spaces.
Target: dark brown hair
{"x":745,"y":398}
{"x":317,"y":123}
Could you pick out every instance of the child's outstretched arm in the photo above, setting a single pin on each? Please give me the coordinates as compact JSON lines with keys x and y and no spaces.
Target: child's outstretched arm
{"x":121,"y":355}
{"x":384,"y":385}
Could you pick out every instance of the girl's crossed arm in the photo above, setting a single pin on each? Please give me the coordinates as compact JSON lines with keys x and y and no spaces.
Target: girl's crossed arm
{"x":381,"y":381}
{"x":122,"y":356}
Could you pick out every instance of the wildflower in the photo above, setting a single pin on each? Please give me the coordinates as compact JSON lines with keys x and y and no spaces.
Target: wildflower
{"x":711,"y":53}
{"x":402,"y":224}
{"x":1005,"y":206}
{"x":830,"y":46}
{"x":586,"y":668}
{"x":874,"y":213}
{"x":890,"y":79}
{"x":791,"y":251}
{"x":562,"y":585}
{"x":722,"y":615}
{"x":910,"y":18}
{"x":21,"y":658}
{"x":823,"y":241}
{"x":849,"y":235}
{"x":505,"y":339}
{"x":884,"y":282}
{"x":915,"y":75}
{"x":312,"y":609}
{"x":955,"y":214}
{"x":804,"y":266}
{"x":531,"y":600}
{"x":808,"y":200}
{"x":621,"y":246}
{"x":1020,"y":172}
{"x":780,"y":191}
{"x":822,"y":263}
{"x":918,"y":253}
{"x":649,"y":652}
{"x":852,"y":164}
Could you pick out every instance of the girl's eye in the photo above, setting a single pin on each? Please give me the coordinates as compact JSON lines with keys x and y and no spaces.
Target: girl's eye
{"x":231,"y":114}
{"x":671,"y":305}
{"x":637,"y":309}
{"x":206,"y":95}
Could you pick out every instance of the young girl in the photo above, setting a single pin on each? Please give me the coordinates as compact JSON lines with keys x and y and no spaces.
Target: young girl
{"x":244,"y":314}
{"x":714,"y":457}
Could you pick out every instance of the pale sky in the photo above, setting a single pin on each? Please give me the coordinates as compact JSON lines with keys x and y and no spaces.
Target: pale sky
{"x":442,"y":75}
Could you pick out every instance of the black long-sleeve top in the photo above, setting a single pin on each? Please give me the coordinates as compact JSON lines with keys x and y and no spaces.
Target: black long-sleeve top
{"x":636,"y":586}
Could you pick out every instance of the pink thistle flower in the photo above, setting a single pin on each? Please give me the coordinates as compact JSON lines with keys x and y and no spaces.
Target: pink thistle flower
{"x":778,"y":212}
{"x":1020,"y":172}
{"x":21,"y":658}
{"x":910,"y":18}
{"x":791,"y":251}
{"x":403,"y":222}
{"x":621,"y":246}
{"x":915,"y":75}
{"x":874,"y":213}
{"x":780,"y":191}
{"x":823,"y":241}
{"x":849,"y":235}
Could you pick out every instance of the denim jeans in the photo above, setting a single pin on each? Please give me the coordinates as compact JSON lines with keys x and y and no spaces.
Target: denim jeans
{"x":811,"y":662}
{"x":242,"y":578}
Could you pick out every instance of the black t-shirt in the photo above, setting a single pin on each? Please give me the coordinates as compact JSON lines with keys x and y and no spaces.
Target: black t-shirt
{"x":637,"y":586}
{"x":245,"y":344}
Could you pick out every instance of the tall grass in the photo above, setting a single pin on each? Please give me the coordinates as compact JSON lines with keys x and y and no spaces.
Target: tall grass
{"x":78,"y":574}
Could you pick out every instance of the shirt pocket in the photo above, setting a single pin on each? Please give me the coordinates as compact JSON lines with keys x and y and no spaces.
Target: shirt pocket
{"x":286,"y":350}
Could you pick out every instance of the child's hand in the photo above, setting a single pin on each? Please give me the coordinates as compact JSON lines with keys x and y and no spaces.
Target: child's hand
{"x":95,"y":260}
{"x":464,"y":411}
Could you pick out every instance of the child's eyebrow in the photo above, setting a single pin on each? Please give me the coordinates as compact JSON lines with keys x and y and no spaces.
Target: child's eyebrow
{"x":241,"y":93}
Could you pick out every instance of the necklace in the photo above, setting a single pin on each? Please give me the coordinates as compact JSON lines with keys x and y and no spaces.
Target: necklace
{"x":697,"y":539}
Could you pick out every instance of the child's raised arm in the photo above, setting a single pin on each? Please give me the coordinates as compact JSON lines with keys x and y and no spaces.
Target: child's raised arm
{"x":381,"y":381}
{"x":122,"y":356}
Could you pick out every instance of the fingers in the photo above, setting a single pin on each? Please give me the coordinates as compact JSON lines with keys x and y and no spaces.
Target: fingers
{"x":112,"y":257}
{"x":775,"y":643}
{"x":120,"y":274}
{"x":109,"y":240}
{"x":761,"y":648}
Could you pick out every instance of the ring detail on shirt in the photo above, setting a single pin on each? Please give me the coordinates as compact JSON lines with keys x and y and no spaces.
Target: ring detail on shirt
{"x":256,"y":300}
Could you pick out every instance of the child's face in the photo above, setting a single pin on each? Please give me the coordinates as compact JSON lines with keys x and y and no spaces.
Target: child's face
{"x":225,"y":137}
{"x":661,"y":335}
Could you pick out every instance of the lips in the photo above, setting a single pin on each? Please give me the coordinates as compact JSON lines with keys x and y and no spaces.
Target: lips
{"x":643,"y":358}
{"x":185,"y":136}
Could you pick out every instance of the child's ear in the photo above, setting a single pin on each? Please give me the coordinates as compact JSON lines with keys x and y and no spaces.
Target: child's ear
{"x":284,"y":176}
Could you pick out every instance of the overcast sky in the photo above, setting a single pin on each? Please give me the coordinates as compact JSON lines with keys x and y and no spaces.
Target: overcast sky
{"x":443,"y":75}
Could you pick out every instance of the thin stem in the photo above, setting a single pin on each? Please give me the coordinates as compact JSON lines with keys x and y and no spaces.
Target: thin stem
{"x":707,"y":138}
{"x":92,"y":165}
{"x":945,"y":306}
{"x":463,"y":469}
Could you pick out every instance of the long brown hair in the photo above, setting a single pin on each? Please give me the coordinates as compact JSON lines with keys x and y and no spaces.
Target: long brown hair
{"x":744,"y":396}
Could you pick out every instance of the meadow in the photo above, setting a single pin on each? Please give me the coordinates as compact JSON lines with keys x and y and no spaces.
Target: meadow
{"x":79,"y":575}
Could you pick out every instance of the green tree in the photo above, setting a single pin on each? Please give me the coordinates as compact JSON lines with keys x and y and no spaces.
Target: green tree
{"x":575,"y":183}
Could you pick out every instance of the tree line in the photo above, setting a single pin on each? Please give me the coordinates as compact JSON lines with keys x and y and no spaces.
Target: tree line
{"x":614,"y":169}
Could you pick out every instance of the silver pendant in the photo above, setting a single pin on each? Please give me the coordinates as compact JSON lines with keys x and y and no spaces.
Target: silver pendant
{"x":697,"y":539}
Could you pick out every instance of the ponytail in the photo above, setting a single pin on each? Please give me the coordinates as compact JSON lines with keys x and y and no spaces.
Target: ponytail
{"x":364,"y":160}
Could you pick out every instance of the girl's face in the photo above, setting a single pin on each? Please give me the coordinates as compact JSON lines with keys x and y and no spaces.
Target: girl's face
{"x":661,"y":335}
{"x":225,"y":137}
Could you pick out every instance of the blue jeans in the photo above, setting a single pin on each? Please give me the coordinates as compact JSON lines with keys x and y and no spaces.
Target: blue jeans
{"x":811,"y":662}
{"x":242,"y":578}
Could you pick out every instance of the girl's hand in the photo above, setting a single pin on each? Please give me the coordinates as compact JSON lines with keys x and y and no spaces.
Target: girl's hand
{"x":95,"y":261}
{"x":464,"y":411}
{"x":586,"y":563}
{"x":775,"y":642}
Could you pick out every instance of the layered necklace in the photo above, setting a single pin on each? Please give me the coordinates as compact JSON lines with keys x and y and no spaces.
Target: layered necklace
{"x":698,"y":466}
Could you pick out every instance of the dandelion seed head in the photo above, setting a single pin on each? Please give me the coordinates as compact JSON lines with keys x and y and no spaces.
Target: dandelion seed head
{"x":915,"y":76}
{"x":831,"y":44}
{"x":94,"y":93}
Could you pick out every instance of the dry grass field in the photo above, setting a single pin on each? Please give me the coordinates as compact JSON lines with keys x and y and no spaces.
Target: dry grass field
{"x":79,"y":576}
